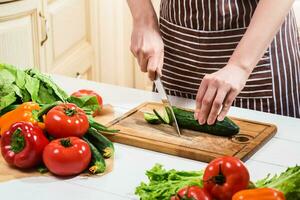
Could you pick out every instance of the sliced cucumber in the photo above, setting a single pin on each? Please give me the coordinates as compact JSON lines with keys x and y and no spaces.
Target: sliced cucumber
{"x":151,"y":118}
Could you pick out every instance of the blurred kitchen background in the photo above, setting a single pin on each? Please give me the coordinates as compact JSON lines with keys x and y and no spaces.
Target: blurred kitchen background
{"x":87,"y":39}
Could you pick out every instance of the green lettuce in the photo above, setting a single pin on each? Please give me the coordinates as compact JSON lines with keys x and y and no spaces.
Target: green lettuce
{"x":18,"y":86}
{"x":287,"y":182}
{"x":88,"y":103}
{"x":165,"y":183}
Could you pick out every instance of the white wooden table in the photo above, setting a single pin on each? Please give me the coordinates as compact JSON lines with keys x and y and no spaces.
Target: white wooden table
{"x":131,"y":163}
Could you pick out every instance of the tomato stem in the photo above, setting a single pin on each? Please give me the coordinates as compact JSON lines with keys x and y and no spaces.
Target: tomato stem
{"x":66,"y":142}
{"x":220,"y":179}
{"x":70,"y":111}
{"x":17,"y":141}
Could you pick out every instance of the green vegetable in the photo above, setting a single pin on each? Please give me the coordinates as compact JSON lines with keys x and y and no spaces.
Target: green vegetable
{"x":18,"y":86}
{"x":42,"y":169}
{"x":163,"y":118}
{"x":48,"y":84}
{"x":151,"y":118}
{"x":104,"y":145}
{"x":8,"y":109}
{"x":287,"y":182}
{"x":99,"y":127}
{"x":88,"y":103}
{"x":97,"y":164}
{"x":185,"y":119}
{"x":169,"y":114}
{"x":165,"y":183}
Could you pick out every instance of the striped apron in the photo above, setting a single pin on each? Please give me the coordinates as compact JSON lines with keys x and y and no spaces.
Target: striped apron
{"x":199,"y":38}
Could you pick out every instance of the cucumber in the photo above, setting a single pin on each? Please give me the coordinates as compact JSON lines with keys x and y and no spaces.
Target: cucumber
{"x":104,"y":145}
{"x":186,"y":120}
{"x":151,"y":118}
{"x":97,"y":164}
{"x":169,"y":114}
{"x":164,"y":119}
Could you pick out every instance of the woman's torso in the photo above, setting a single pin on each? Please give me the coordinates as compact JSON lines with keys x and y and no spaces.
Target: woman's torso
{"x":201,"y":35}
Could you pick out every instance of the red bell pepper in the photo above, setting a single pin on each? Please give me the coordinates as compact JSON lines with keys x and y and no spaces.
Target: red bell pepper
{"x":23,"y":144}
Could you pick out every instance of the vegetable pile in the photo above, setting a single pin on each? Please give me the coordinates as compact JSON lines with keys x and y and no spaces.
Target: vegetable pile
{"x":40,"y":125}
{"x":224,"y":178}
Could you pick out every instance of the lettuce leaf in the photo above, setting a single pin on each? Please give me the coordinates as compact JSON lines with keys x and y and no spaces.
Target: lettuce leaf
{"x":49,"y":84}
{"x":287,"y":182}
{"x":18,"y":86}
{"x":88,"y":103}
{"x":165,"y":183}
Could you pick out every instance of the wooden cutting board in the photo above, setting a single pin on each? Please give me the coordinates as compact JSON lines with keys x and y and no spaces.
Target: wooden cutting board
{"x":135,"y":131}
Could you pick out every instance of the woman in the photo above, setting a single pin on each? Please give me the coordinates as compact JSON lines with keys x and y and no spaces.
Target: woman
{"x":243,"y":53}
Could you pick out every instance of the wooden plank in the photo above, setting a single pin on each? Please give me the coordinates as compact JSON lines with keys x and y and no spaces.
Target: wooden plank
{"x":135,"y":131}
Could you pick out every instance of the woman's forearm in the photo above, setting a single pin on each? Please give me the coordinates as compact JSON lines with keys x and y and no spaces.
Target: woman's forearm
{"x":265,"y":23}
{"x":143,"y":12}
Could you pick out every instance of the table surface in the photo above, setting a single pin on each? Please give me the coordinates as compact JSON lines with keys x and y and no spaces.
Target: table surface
{"x":131,"y":163}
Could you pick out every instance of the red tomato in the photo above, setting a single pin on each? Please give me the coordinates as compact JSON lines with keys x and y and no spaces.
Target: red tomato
{"x":225,"y":176}
{"x":192,"y":192}
{"x":81,"y":93}
{"x":67,"y":156}
{"x":66,"y":120}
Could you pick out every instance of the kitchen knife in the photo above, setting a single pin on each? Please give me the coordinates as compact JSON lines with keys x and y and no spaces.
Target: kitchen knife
{"x":164,"y":98}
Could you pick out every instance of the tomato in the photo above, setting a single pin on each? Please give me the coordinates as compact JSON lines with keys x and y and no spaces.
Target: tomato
{"x":66,"y":120}
{"x":81,"y":93}
{"x":67,"y":156}
{"x":192,"y":193}
{"x":225,"y":176}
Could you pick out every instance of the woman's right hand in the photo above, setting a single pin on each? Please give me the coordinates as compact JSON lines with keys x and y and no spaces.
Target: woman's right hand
{"x":147,"y":46}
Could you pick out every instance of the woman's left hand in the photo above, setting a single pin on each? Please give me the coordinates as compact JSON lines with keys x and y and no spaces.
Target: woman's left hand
{"x":217,"y":91}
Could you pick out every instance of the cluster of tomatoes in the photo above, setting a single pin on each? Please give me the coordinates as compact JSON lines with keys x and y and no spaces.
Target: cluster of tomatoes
{"x":25,"y":144}
{"x":226,"y":178}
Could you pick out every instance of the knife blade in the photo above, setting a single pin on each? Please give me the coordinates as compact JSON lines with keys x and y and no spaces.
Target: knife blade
{"x":164,"y":98}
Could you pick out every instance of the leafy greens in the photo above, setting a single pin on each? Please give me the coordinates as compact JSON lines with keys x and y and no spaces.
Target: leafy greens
{"x":165,"y":183}
{"x":17,"y":86}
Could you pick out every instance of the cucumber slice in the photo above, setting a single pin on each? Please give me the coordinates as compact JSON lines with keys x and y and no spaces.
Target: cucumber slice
{"x":151,"y":118}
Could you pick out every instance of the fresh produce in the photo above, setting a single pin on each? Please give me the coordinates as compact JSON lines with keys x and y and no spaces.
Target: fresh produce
{"x":23,"y":144}
{"x":192,"y":193}
{"x":100,"y":128}
{"x":151,"y":118}
{"x":23,"y":112}
{"x":66,"y":120}
{"x":67,"y":156}
{"x":259,"y":194}
{"x":81,"y":93}
{"x":97,"y":164}
{"x":30,"y":96}
{"x":186,"y":120}
{"x":225,"y":176}
{"x":165,"y":183}
{"x":18,"y":86}
{"x":287,"y":182}
{"x":104,"y":145}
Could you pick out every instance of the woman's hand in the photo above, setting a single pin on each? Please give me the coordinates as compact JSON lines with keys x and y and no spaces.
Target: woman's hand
{"x":147,"y":46}
{"x":217,"y":91}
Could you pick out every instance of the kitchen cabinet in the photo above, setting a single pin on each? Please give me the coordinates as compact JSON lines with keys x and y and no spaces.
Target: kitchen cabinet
{"x":20,"y":33}
{"x":69,"y":50}
{"x":55,"y":36}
